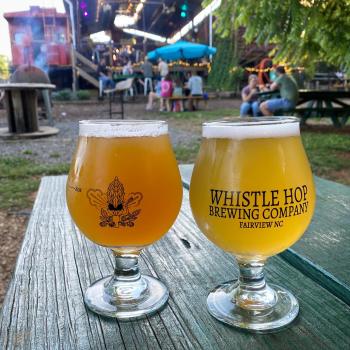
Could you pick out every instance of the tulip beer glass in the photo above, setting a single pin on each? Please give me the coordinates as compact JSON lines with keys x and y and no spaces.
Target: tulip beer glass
{"x":124,"y":192}
{"x":252,"y":194}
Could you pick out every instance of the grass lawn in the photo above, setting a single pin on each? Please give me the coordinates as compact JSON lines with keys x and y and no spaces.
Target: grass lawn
{"x":328,"y":152}
{"x":20,"y":178}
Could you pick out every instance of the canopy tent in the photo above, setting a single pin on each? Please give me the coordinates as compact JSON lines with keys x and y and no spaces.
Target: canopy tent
{"x":181,"y":50}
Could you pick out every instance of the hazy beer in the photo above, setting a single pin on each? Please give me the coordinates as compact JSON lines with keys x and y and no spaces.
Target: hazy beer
{"x":124,"y":189}
{"x":252,"y":190}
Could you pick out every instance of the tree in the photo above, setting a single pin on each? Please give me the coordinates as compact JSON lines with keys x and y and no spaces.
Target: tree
{"x":4,"y":67}
{"x":303,"y":31}
{"x":225,"y":73}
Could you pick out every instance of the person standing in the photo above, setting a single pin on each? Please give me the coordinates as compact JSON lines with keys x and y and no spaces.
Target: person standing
{"x":163,"y":68}
{"x":289,"y":94}
{"x":250,"y":104}
{"x":195,"y":85}
{"x":147,"y":70}
{"x":128,"y":71}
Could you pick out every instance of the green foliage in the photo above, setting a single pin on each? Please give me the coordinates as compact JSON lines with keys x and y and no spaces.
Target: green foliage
{"x":20,"y":177}
{"x":83,"y":95}
{"x":4,"y":67}
{"x":327,"y":152}
{"x":63,"y":95}
{"x":304,"y":31}
{"x":225,"y":73}
{"x":67,"y":95}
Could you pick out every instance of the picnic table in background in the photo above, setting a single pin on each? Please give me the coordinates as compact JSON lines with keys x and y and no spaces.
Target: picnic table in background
{"x":324,"y":103}
{"x":318,"y":103}
{"x":44,"y":305}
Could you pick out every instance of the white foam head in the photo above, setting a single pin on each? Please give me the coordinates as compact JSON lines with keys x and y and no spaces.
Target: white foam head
{"x":252,"y":128}
{"x":122,"y":128}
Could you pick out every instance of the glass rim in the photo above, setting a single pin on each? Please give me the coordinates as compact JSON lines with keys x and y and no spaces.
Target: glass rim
{"x":122,"y":128}
{"x":121,"y":121}
{"x":251,"y":121}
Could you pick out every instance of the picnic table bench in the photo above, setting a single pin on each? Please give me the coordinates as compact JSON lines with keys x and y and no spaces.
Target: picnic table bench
{"x":190,"y":99}
{"x":44,"y":307}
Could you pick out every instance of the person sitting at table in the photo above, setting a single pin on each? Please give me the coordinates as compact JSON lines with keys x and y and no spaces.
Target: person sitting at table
{"x":166,"y":92}
{"x":250,"y":104}
{"x":178,"y":105}
{"x":105,"y":80}
{"x":195,"y":85}
{"x":289,"y":94}
{"x":154,"y":95}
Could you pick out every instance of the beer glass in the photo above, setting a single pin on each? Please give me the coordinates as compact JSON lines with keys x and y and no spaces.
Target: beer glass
{"x":124,"y":192}
{"x":252,"y":194}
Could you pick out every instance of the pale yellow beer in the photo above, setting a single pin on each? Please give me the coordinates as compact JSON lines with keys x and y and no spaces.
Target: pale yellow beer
{"x":252,"y":190}
{"x":124,"y":191}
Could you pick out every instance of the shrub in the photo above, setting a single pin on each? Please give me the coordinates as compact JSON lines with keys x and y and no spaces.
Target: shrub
{"x":63,"y":95}
{"x":83,"y":95}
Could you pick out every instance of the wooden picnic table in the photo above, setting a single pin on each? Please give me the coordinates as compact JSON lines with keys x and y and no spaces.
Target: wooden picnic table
{"x":324,"y":103}
{"x":318,"y":103}
{"x":21,"y":106}
{"x":44,"y":307}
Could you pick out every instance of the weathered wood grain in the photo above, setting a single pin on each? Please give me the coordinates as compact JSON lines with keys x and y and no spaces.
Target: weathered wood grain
{"x":323,"y":253}
{"x":327,"y":241}
{"x":44,"y":306}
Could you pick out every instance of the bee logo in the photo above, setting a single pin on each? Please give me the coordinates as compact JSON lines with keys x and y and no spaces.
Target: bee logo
{"x":116,"y":208}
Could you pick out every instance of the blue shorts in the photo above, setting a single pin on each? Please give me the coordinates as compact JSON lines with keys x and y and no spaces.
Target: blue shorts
{"x":276,"y":104}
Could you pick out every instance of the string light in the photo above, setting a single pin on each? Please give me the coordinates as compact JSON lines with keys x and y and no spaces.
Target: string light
{"x":174,"y":64}
{"x":267,"y":70}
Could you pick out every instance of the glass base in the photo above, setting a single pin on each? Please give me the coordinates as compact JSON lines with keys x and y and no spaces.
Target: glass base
{"x":126,"y":301}
{"x":221,"y":305}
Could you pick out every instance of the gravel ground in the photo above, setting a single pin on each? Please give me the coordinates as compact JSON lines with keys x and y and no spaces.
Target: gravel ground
{"x":59,"y":148}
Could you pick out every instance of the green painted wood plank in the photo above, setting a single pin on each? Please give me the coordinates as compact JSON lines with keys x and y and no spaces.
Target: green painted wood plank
{"x":323,"y":253}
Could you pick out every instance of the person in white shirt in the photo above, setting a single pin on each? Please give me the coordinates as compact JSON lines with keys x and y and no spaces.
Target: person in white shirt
{"x":163,"y":68}
{"x":128,"y":69}
{"x":195,"y":84}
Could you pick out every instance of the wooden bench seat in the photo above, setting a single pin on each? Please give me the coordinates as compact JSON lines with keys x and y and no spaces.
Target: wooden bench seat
{"x":183,"y":98}
{"x":190,"y":100}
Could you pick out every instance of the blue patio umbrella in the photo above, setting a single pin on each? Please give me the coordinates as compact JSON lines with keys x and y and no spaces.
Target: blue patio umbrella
{"x":181,"y":50}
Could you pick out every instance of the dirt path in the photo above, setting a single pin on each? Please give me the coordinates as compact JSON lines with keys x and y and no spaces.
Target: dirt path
{"x":12,"y":228}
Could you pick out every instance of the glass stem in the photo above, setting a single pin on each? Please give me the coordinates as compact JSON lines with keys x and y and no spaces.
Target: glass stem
{"x":126,"y":267}
{"x":252,"y":292}
{"x":126,"y":284}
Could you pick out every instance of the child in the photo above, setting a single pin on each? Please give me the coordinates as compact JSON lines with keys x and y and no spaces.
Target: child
{"x":166,"y":92}
{"x":178,"y":105}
